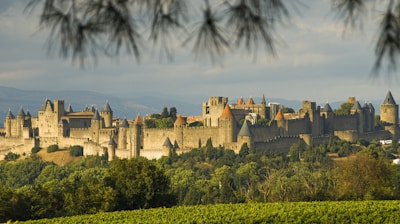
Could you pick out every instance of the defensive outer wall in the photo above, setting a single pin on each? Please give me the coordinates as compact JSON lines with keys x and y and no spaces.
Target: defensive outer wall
{"x":227,"y":125}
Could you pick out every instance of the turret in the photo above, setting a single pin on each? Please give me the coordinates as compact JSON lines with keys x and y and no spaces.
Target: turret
{"x":123,"y":134}
{"x":390,"y":115}
{"x":358,"y":111}
{"x":136,"y":136}
{"x":245,"y":136}
{"x":281,"y":122}
{"x":107,"y":115}
{"x":389,"y":110}
{"x":20,"y":121}
{"x":227,"y":126}
{"x":167,"y":147}
{"x":328,"y":116}
{"x":111,"y":149}
{"x":179,"y":125}
{"x":95,"y":126}
{"x":7,"y":123}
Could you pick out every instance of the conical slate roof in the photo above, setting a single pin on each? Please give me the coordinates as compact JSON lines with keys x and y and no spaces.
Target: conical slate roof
{"x":263,"y":101}
{"x":10,"y":115}
{"x":21,"y":112}
{"x":370,"y":106}
{"x":227,"y":113}
{"x":167,"y":143}
{"x":28,"y":114}
{"x":356,"y":106}
{"x":327,"y":108}
{"x":106,"y":108}
{"x":69,"y":109}
{"x":124,"y":124}
{"x":96,"y":116}
{"x":389,"y":99}
{"x":245,"y":130}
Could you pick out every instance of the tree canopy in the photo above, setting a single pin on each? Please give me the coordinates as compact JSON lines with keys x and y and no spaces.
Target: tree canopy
{"x":82,"y":29}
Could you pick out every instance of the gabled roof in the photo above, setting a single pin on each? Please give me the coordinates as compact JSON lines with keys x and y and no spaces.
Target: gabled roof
{"x":245,"y":130}
{"x":96,"y":116}
{"x":46,"y":102}
{"x":389,"y":99}
{"x":279,"y":115}
{"x":240,"y":101}
{"x":106,"y":108}
{"x":167,"y":143}
{"x":250,"y":101}
{"x":227,"y":113}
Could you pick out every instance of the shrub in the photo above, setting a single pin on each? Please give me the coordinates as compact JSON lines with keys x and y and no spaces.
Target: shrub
{"x":52,"y":148}
{"x":11,"y":156}
{"x":36,"y":149}
{"x":76,"y":150}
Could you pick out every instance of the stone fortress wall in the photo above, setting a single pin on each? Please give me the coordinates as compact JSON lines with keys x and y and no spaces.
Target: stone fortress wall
{"x":223,"y":123}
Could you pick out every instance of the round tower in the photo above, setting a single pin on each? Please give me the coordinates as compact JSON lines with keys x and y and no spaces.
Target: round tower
{"x":111,"y":149}
{"x":7,"y":123}
{"x":227,"y":126}
{"x":95,"y":126}
{"x":123,"y":134}
{"x":280,"y":122}
{"x":179,"y":125}
{"x":136,"y":136}
{"x":107,"y":114}
{"x":245,"y":136}
{"x":328,"y":116}
{"x":20,"y":121}
{"x":167,"y":147}
{"x":390,"y":116}
{"x":389,"y":110}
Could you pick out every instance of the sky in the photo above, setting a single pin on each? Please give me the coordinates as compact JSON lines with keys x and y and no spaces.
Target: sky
{"x":315,"y":61}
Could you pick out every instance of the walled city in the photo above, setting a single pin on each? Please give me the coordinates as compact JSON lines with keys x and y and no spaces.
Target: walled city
{"x":100,"y":133}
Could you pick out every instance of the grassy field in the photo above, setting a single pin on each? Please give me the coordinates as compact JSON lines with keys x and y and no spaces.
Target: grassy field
{"x":294,"y":212}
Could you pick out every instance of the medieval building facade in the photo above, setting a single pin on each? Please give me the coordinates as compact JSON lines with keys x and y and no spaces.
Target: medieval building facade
{"x":99,"y":134}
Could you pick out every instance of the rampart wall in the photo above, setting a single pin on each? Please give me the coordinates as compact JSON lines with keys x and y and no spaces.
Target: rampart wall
{"x":297,"y":126}
{"x":345,"y":122}
{"x":277,"y":145}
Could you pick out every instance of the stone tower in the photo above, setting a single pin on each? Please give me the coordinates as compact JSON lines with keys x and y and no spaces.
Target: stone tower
{"x":123,"y":135}
{"x":280,"y":123}
{"x":137,"y":136}
{"x":390,"y":115}
{"x":111,"y":149}
{"x":107,"y":115}
{"x":245,"y":136}
{"x":212,"y":110}
{"x":95,"y":126}
{"x":359,"y":112}
{"x":167,"y":147}
{"x":179,"y":124}
{"x":227,"y":126}
{"x":328,"y":116}
{"x":389,"y":110}
{"x":8,"y":123}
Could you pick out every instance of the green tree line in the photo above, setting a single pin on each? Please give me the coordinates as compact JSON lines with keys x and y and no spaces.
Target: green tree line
{"x":34,"y":189}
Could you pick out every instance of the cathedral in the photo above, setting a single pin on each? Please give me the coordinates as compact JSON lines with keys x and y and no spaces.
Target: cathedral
{"x":229,"y":125}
